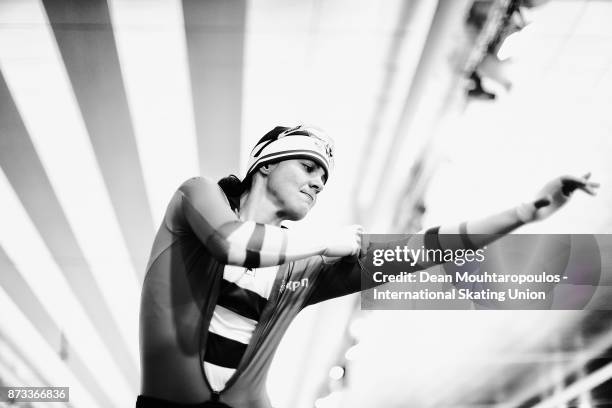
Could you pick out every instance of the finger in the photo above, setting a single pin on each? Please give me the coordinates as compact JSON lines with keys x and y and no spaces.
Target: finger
{"x":590,"y":187}
{"x":357,"y":247}
{"x":577,"y":179}
{"x":592,"y":190}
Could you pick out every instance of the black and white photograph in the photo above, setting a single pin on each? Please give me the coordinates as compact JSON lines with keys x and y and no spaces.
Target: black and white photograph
{"x":306,"y":204}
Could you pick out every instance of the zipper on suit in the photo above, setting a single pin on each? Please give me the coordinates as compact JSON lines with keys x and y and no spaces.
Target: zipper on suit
{"x":214,"y":396}
{"x":256,"y":335}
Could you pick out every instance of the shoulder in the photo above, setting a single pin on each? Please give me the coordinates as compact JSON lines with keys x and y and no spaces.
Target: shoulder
{"x":201,"y":190}
{"x":198,"y":183}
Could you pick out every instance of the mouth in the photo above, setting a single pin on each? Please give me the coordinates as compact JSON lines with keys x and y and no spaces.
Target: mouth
{"x":310,"y":197}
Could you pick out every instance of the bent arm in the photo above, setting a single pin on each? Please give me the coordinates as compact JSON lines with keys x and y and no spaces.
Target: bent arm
{"x":235,"y":242}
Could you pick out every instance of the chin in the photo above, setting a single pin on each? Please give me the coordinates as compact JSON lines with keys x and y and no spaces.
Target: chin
{"x":296,"y":216}
{"x":298,"y":212}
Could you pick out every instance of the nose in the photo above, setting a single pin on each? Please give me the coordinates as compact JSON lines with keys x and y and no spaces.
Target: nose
{"x":317,"y":183}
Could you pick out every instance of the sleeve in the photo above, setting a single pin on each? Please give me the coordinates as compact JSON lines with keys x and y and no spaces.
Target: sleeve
{"x":353,"y":274}
{"x":205,"y":211}
{"x":338,"y":278}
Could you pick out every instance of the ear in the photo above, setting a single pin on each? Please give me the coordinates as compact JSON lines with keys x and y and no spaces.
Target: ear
{"x":267,"y":168}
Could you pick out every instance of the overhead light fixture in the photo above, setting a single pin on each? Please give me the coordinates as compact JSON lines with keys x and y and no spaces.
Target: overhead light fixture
{"x":357,"y":327}
{"x":352,"y":353}
{"x":336,"y":373}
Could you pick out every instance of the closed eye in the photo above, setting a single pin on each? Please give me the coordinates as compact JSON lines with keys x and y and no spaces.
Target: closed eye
{"x":311,"y":167}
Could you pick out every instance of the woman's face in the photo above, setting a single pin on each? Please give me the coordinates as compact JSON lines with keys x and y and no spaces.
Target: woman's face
{"x":294,"y":185}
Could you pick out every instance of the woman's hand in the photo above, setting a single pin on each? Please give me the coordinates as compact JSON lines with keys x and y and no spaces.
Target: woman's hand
{"x":345,"y":241}
{"x":553,"y":196}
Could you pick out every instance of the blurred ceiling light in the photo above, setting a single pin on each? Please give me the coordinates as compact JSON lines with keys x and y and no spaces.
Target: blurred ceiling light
{"x":352,"y":353}
{"x":491,"y":67}
{"x":515,"y":44}
{"x":36,"y":76}
{"x":510,"y":47}
{"x":152,"y":50}
{"x":336,"y":373}
{"x":357,"y":326}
